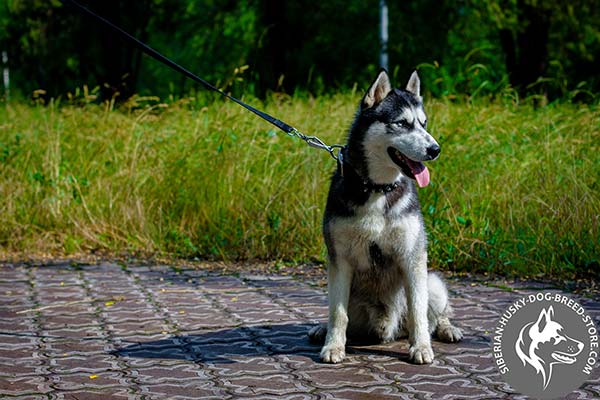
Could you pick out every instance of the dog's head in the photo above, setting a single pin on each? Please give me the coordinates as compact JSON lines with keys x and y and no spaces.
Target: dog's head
{"x":551,"y":341}
{"x":544,"y":343}
{"x":389,"y":135}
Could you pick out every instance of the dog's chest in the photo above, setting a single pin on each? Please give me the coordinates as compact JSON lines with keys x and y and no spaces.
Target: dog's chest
{"x":377,"y":236}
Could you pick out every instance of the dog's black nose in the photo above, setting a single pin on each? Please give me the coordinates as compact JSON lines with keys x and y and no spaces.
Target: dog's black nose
{"x":433,"y":151}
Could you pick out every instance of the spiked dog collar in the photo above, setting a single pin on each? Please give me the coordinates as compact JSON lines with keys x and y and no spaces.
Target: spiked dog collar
{"x":367,"y":185}
{"x":370,"y":187}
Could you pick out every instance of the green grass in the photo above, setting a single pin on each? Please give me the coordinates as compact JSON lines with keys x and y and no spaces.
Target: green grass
{"x":514,"y":191}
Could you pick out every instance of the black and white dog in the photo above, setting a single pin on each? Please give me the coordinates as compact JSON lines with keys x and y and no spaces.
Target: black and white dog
{"x":379,"y":286}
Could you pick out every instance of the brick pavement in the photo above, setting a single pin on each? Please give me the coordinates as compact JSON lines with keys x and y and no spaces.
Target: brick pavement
{"x":111,"y":331}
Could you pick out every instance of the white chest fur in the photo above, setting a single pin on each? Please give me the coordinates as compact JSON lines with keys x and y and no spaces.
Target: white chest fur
{"x":395,"y":232}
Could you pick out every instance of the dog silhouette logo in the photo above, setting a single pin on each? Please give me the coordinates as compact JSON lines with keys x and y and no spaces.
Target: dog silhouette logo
{"x":544,"y":343}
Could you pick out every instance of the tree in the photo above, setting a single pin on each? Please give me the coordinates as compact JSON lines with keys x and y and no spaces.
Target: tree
{"x":257,"y":46}
{"x":550,"y":47}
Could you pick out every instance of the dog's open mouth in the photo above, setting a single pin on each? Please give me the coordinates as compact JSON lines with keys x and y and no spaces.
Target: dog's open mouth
{"x":413,"y":169}
{"x":563,"y":358}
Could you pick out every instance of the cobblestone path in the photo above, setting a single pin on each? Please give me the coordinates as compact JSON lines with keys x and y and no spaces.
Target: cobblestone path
{"x":111,"y":331}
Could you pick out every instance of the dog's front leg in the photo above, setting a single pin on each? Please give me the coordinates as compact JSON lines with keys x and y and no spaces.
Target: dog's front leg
{"x":339,"y":281}
{"x":417,"y":295}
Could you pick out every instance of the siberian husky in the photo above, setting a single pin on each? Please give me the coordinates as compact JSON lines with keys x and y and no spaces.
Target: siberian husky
{"x":378,"y":283}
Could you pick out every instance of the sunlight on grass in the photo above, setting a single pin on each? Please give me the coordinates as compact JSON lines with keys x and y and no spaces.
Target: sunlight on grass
{"x":514,"y":190}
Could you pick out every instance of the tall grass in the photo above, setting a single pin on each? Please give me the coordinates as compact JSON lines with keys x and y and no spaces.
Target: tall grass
{"x":515,"y":188}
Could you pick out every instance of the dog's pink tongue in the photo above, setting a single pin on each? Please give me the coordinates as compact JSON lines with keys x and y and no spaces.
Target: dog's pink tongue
{"x":420,"y":172}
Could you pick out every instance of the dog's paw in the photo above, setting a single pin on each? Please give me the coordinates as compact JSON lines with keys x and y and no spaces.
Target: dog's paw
{"x":449,"y":334}
{"x":333,"y":354}
{"x":317,"y":334}
{"x":421,"y":354}
{"x":385,"y":332}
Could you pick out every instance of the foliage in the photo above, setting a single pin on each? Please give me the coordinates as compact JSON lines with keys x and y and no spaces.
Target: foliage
{"x":557,"y":41}
{"x":256,"y":46}
{"x":514,"y":191}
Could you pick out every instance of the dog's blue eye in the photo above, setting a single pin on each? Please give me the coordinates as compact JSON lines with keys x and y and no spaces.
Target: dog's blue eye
{"x":403,"y":123}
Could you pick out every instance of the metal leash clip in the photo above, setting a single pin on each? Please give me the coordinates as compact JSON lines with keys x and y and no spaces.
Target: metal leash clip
{"x":314,"y":141}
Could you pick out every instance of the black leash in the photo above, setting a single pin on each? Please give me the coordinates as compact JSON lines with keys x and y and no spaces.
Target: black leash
{"x":290,"y":130}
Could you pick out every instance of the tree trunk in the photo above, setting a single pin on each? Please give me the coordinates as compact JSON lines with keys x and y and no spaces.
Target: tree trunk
{"x":526,"y":50}
{"x":270,"y":61}
{"x":120,"y":61}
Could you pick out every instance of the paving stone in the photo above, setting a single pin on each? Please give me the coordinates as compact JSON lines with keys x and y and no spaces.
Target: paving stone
{"x":134,"y":339}
{"x":139,"y":326}
{"x":142,"y":356}
{"x":288,"y":396}
{"x":178,"y":297}
{"x":14,"y":325}
{"x":81,"y":333}
{"x":119,"y":315}
{"x":23,"y":385}
{"x":67,"y":347}
{"x":61,"y":321}
{"x":370,"y":393}
{"x":17,"y":367}
{"x":402,"y":372}
{"x":88,"y":382}
{"x":214,"y":319}
{"x":225,"y":352}
{"x":328,"y":377}
{"x":175,"y":390}
{"x":180,"y":373}
{"x":108,"y":331}
{"x":90,"y":364}
{"x":115,"y":393}
{"x":273,"y":315}
{"x":134,"y":363}
{"x":473,"y":362}
{"x":265,"y":385}
{"x":239,"y":366}
{"x":290,"y":343}
{"x":457,"y":388}
{"x":35,"y":396}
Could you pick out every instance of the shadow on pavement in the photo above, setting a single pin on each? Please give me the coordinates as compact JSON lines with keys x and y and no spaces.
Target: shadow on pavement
{"x":234,"y":344}
{"x":229,"y":345}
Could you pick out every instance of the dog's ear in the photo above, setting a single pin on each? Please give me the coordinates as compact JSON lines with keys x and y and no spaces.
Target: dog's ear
{"x":544,"y":318}
{"x":380,"y":88}
{"x":414,"y":84}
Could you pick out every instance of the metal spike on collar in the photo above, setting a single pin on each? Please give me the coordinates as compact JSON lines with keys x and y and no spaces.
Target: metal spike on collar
{"x":372,"y":187}
{"x":390,"y":188}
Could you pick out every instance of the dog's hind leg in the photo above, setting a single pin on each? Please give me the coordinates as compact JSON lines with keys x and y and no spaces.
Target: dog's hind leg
{"x":317,"y":334}
{"x":383,"y":320}
{"x":440,"y":311}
